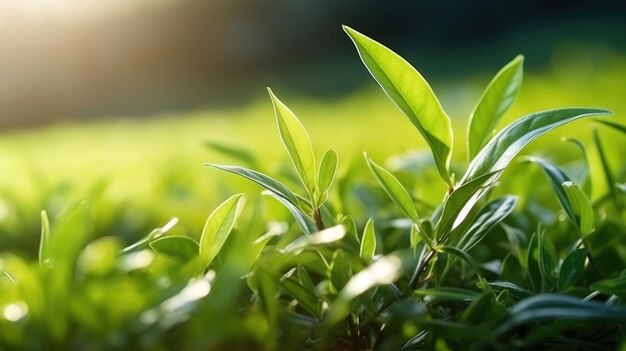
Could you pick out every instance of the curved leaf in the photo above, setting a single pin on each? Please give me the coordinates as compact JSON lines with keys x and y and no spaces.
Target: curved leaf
{"x":406,"y":87}
{"x":500,"y":150}
{"x":556,"y":177}
{"x":611,"y":286}
{"x":218,"y":227}
{"x":44,"y":241}
{"x":449,"y":294}
{"x":394,"y":189}
{"x":572,"y":268}
{"x":495,"y":101}
{"x":297,"y":142}
{"x":304,"y":221}
{"x":178,"y":247}
{"x":458,"y":204}
{"x":263,"y":180}
{"x":322,"y":237}
{"x":326,"y":175}
{"x":581,"y":206}
{"x":616,"y":126}
{"x":368,"y":241}
{"x":494,"y":213}
{"x":554,"y":306}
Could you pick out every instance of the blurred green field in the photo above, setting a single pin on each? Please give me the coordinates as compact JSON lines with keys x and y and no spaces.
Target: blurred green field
{"x":139,"y":173}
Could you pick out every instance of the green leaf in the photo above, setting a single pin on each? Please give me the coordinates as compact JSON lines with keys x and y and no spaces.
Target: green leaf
{"x":581,"y":206}
{"x":448,"y":294}
{"x":608,"y":175}
{"x":263,"y":180}
{"x":394,"y":189}
{"x":546,"y":261}
{"x":616,"y":126}
{"x":340,"y":271}
{"x":561,"y":307}
{"x":459,"y":203}
{"x":327,"y":171}
{"x":493,"y":104}
{"x":494,"y":213}
{"x":611,"y":286}
{"x":304,"y":221}
{"x":67,"y":241}
{"x":44,"y":243}
{"x":500,"y":150}
{"x":406,"y":87}
{"x":572,"y":268}
{"x":297,"y":142}
{"x":218,"y":227}
{"x":181,"y":248}
{"x":513,"y":289}
{"x":303,"y":294}
{"x":368,"y":241}
{"x":557,"y":177}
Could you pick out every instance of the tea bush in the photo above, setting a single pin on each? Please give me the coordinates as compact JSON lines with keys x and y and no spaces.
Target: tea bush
{"x":359,"y":265}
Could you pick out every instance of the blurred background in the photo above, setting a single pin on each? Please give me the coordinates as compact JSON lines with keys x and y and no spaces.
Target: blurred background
{"x":77,"y":59}
{"x":121,"y":102}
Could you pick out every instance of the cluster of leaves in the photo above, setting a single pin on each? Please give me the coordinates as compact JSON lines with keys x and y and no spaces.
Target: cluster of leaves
{"x":468,"y":273}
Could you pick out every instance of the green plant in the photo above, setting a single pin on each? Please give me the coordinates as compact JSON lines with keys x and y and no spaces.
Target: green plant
{"x":470,"y":272}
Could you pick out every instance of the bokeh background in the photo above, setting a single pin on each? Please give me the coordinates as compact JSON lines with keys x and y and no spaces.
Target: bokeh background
{"x":121,"y":102}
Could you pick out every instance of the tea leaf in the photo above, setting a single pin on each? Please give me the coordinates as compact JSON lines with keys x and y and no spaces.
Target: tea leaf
{"x":500,"y":150}
{"x":581,"y":206}
{"x":263,"y":180}
{"x":327,"y":171}
{"x":611,"y":286}
{"x":495,"y":101}
{"x":562,"y":307}
{"x":572,"y":268}
{"x":494,"y":213}
{"x":368,"y":241}
{"x":181,"y":248}
{"x":297,"y":142}
{"x":218,"y":227}
{"x":44,"y":243}
{"x":557,"y":177}
{"x":304,"y":221}
{"x":406,"y":87}
{"x":394,"y":189}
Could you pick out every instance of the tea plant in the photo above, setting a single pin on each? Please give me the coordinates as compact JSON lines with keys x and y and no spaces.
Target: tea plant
{"x":479,"y":270}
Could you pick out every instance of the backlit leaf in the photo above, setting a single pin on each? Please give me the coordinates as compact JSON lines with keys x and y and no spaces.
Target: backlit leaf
{"x":394,"y":189}
{"x":218,"y":227}
{"x":297,"y":142}
{"x":181,"y":248}
{"x":495,"y":101}
{"x":406,"y":87}
{"x":368,"y":241}
{"x":500,"y":150}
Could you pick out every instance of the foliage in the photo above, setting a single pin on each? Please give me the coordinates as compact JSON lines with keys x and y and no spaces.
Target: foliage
{"x":360,"y":264}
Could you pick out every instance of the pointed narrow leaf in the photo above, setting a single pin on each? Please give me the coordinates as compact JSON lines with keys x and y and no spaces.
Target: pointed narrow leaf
{"x":45,"y":239}
{"x":459,"y":203}
{"x":304,"y":295}
{"x":297,"y":142}
{"x":304,"y":221}
{"x":218,"y":227}
{"x":557,"y":177}
{"x":181,"y":248}
{"x":572,"y":268}
{"x":368,"y":241}
{"x":562,"y":307}
{"x":616,"y":126}
{"x":328,"y":168}
{"x":495,"y":101}
{"x":263,"y":180}
{"x":67,"y":240}
{"x":490,"y":216}
{"x":611,"y":286}
{"x":581,"y":206}
{"x":394,"y":189}
{"x":500,"y":150}
{"x":406,"y":87}
{"x":340,"y":271}
{"x":608,"y":175}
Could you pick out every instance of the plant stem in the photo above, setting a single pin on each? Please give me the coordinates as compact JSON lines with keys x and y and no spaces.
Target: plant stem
{"x":317,"y":217}
{"x":419,"y":270}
